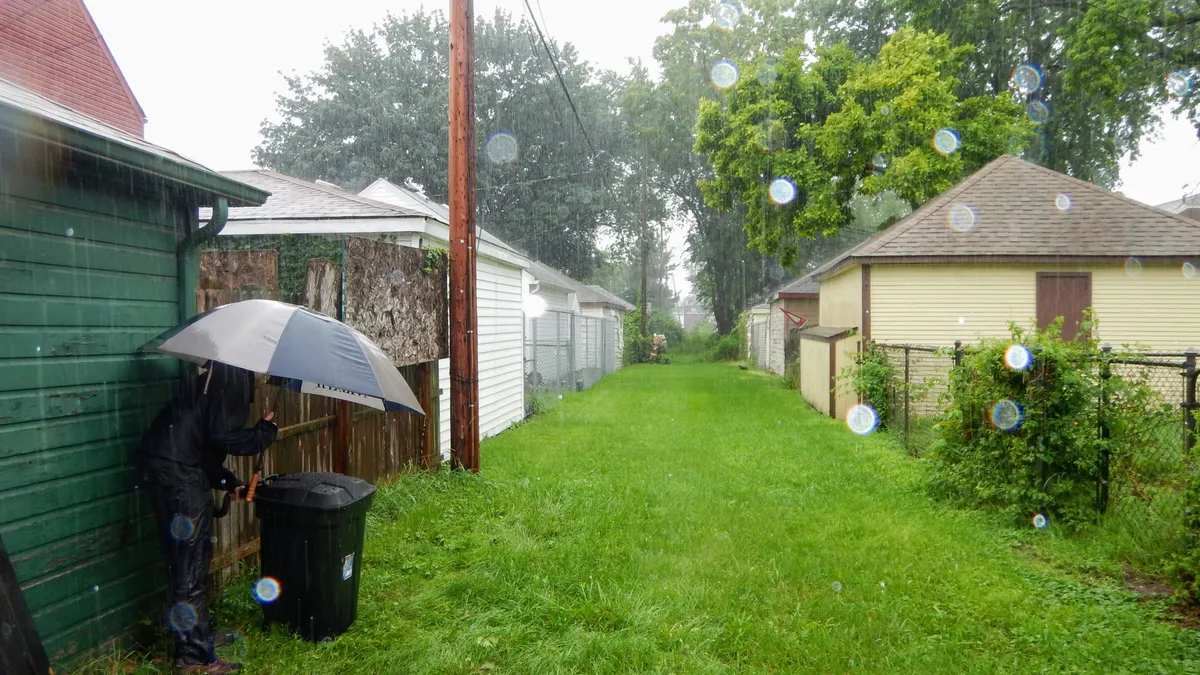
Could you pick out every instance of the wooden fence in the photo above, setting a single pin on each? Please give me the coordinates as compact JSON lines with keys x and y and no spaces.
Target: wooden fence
{"x":315,"y":433}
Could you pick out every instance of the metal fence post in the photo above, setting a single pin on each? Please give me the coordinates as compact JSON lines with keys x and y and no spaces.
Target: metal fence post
{"x":907,"y":397}
{"x":1105,"y":457}
{"x":1189,"y":400}
{"x":572,"y":327}
{"x":534,"y":376}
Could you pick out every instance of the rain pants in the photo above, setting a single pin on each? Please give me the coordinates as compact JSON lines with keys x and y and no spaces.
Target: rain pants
{"x":182,"y":461}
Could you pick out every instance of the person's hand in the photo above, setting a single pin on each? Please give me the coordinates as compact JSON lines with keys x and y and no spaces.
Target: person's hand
{"x":270,"y":416}
{"x":237,"y":492}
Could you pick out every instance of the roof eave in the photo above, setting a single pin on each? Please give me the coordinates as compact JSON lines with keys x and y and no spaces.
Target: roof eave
{"x":22,"y":122}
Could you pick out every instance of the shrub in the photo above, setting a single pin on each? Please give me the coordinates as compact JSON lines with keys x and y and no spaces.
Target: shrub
{"x":636,"y":346}
{"x":726,"y":348}
{"x":872,"y":378}
{"x":791,"y":375}
{"x":662,"y":323}
{"x":699,"y":340}
{"x":1049,"y":460}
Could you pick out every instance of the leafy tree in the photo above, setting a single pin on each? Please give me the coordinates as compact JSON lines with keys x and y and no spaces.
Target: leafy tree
{"x":842,"y":126}
{"x":726,"y":274}
{"x":1105,"y":63}
{"x":378,"y":108}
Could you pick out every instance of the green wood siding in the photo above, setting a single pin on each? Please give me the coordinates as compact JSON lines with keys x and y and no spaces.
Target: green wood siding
{"x":88,"y":274}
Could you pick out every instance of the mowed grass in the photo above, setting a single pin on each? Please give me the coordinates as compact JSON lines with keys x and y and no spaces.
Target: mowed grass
{"x":701,"y":519}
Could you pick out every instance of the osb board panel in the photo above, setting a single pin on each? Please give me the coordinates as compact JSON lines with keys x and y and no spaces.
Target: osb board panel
{"x":394,"y":302}
{"x":255,"y":269}
{"x":323,"y":287}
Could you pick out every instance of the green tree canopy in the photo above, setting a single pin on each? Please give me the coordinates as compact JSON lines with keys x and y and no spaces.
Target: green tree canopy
{"x":794,"y":142}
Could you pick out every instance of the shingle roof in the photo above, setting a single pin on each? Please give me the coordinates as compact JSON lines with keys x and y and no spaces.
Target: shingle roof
{"x":598,"y":295}
{"x":83,"y":130}
{"x":383,"y":190}
{"x":295,"y":199}
{"x":1017,"y":214}
{"x":805,"y":284}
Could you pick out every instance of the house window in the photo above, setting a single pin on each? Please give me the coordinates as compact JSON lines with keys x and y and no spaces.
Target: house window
{"x":1065,"y":294}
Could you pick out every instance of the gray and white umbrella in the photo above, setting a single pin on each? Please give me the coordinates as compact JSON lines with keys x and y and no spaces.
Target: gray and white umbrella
{"x":317,"y":354}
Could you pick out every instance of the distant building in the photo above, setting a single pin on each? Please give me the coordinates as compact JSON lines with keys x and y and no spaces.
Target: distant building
{"x":691,"y":315}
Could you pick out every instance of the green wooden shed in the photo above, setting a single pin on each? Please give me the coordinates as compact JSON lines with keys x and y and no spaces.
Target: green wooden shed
{"x":97,"y":237}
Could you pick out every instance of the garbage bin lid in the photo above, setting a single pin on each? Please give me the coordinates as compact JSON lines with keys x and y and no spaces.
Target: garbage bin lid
{"x":323,"y":491}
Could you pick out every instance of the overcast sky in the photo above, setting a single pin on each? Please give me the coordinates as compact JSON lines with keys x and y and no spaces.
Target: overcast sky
{"x":207,"y":73}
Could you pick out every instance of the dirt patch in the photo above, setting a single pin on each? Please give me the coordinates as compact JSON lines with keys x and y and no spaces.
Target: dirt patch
{"x":1142,"y":585}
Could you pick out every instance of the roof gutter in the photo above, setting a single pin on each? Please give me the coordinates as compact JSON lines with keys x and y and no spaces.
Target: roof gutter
{"x":185,"y":256}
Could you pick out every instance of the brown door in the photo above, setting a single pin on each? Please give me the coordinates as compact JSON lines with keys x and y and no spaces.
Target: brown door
{"x":1065,"y":294}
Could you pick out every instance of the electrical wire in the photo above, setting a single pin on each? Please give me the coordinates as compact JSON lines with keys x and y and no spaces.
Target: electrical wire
{"x":562,"y":83}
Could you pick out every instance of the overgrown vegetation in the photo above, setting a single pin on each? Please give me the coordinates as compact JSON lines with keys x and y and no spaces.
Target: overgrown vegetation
{"x":1029,"y":441}
{"x":872,"y":378}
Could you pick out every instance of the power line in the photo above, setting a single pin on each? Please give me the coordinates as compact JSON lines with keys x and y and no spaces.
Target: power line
{"x":561,"y":82}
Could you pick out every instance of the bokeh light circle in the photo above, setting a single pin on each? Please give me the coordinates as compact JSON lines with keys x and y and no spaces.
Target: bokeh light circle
{"x":1018,"y":357}
{"x":1189,"y":270}
{"x":1007,"y":415}
{"x":534,"y":306}
{"x":782,"y":191}
{"x":724,"y":74}
{"x":837,"y":587}
{"x":727,"y":14}
{"x":945,"y":141}
{"x":961,"y":218}
{"x":182,"y":527}
{"x":1179,"y":83}
{"x":1040,"y":521}
{"x":862,"y":419}
{"x":1027,"y":78}
{"x":1038,"y":112}
{"x":1133,"y":266}
{"x":1062,"y":202}
{"x":266,"y":590}
{"x":502,"y":148}
{"x":879,"y":162}
{"x":768,"y":72}
{"x":182,"y":617}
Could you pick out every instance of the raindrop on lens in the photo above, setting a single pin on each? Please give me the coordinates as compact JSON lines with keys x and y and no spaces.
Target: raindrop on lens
{"x":837,"y":587}
{"x":782,"y":191}
{"x":961,"y":218}
{"x":266,"y":590}
{"x":945,"y":141}
{"x":1189,"y":270}
{"x":727,"y":14}
{"x":1027,"y":78}
{"x":1179,"y":83}
{"x":1063,"y":201}
{"x":885,"y":109}
{"x":95,"y":589}
{"x":1006,"y":415}
{"x":962,"y":319}
{"x":1038,"y":112}
{"x":862,"y":419}
{"x":501,"y":148}
{"x":1040,"y":521}
{"x":534,"y":306}
{"x":1018,"y":357}
{"x":724,"y":74}
{"x":182,"y":527}
{"x":1133,"y":267}
{"x":70,"y":232}
{"x":879,"y":162}
{"x":182,"y":617}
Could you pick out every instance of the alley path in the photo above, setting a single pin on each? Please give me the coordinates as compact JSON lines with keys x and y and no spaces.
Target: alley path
{"x":700,"y":519}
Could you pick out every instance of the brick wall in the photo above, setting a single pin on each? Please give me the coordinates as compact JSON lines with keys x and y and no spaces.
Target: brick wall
{"x":53,"y":48}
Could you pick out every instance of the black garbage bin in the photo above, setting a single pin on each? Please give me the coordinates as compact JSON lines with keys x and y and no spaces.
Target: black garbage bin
{"x":312,"y":541}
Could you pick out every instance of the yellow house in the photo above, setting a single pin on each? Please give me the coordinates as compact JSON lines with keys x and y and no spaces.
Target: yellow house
{"x":1013,"y":242}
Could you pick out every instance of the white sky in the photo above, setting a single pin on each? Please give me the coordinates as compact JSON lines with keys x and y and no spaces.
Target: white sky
{"x":207,"y":73}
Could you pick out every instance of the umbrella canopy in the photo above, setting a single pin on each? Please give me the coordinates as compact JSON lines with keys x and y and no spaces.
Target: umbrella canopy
{"x":319,"y":355}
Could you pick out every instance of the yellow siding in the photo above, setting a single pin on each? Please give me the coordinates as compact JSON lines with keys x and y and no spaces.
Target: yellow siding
{"x":1158,"y":308}
{"x":847,"y":351}
{"x":841,"y":299}
{"x":814,"y":374}
{"x":923,"y":304}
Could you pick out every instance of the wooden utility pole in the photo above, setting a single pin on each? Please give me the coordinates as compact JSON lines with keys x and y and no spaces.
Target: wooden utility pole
{"x":464,"y":354}
{"x":644,"y":240}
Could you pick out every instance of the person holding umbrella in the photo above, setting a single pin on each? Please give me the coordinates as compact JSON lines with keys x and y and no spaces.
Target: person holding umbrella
{"x":182,"y":460}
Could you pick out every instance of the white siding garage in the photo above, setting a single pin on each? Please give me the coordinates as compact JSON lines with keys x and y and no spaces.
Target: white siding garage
{"x":499,"y":294}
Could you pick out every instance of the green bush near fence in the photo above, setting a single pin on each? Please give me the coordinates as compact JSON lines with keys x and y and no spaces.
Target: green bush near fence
{"x":1050,"y":462}
{"x":872,"y":377}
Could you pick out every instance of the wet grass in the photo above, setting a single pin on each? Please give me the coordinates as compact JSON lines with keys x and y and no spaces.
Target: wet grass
{"x":701,"y":519}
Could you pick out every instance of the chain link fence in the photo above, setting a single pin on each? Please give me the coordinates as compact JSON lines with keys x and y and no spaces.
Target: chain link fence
{"x":569,"y":352}
{"x":1144,"y":488}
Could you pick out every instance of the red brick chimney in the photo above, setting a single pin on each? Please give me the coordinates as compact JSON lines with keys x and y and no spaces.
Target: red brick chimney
{"x":53,"y":47}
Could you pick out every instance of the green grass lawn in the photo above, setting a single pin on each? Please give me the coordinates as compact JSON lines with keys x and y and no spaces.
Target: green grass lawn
{"x":701,"y":519}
